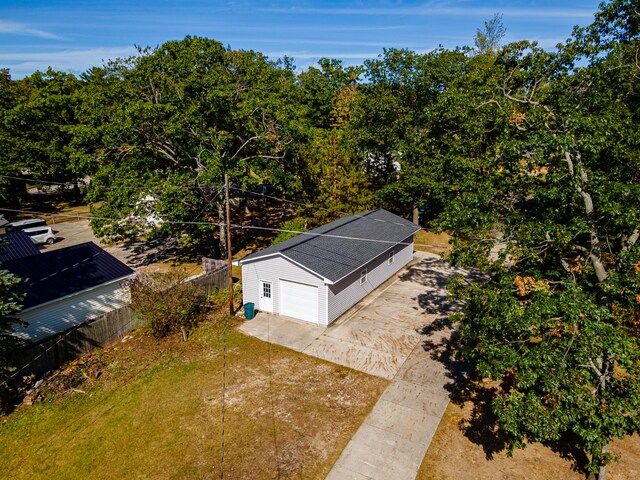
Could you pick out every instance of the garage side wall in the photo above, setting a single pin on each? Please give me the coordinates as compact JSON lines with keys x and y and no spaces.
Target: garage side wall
{"x":348,"y":291}
{"x":273,"y":269}
{"x":68,"y":312}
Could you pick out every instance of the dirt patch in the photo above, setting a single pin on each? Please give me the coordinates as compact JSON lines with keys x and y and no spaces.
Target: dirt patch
{"x":456,"y":453}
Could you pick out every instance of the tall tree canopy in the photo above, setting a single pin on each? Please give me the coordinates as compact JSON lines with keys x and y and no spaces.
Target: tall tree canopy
{"x":558,"y":321}
{"x":185,"y":114}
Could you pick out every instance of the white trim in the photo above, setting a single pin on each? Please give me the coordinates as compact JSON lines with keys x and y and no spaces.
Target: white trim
{"x":73,"y":294}
{"x":325,"y":280}
{"x":326,"y":303}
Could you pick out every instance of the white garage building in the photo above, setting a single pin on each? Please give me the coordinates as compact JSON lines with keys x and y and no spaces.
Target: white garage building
{"x":319,"y":275}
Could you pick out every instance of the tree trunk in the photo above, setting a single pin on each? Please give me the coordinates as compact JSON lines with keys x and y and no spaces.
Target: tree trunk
{"x":602,"y":468}
{"x":416,"y":215}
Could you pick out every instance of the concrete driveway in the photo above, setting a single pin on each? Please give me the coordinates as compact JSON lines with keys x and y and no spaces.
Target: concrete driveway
{"x":379,"y":333}
{"x":399,"y":332}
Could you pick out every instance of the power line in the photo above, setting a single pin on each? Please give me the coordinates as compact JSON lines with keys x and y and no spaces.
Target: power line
{"x":93,"y":217}
{"x":309,"y":205}
{"x":306,"y":205}
{"x":92,"y":185}
{"x":240,"y":226}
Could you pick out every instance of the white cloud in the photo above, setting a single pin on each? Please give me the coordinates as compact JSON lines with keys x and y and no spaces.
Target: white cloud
{"x":23,"y":64}
{"x":22,"y":29}
{"x":429,"y":10}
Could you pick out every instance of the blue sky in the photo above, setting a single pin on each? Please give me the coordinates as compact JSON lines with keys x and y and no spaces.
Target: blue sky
{"x":76,"y":35}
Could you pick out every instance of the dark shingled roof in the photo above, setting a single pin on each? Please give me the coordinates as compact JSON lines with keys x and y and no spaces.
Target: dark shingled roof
{"x":334,"y":258}
{"x":16,"y":245}
{"x":62,"y":272}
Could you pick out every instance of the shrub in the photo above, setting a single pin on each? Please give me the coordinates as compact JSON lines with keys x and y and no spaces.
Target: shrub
{"x":219,"y":298}
{"x":165,"y":302}
{"x":297,"y":224}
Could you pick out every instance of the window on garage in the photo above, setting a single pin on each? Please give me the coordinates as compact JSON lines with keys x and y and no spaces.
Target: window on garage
{"x":363,"y":276}
{"x":391,"y":257}
{"x":266,"y":290}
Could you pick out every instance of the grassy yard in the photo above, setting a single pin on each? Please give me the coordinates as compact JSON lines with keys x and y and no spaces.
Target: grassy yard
{"x":154,"y":411}
{"x":438,"y":243}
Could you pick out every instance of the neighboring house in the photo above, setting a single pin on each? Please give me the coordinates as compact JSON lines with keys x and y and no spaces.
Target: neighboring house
{"x":317,"y":278}
{"x":16,"y":245}
{"x":67,"y":287}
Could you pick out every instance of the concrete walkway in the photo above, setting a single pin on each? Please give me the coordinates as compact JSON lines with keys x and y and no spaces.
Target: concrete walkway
{"x":399,"y":332}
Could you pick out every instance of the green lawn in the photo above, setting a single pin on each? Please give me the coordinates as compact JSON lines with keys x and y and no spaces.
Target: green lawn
{"x":155,"y":412}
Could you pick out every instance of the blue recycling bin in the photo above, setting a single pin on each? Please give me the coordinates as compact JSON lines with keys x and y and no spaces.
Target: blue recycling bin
{"x":249,"y":310}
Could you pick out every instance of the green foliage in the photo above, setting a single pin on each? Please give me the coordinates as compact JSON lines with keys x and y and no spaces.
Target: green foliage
{"x":549,"y":169}
{"x":170,"y":122}
{"x":295,"y":224}
{"x":9,"y":306}
{"x":165,"y":302}
{"x":487,"y":40}
{"x":219,"y":298}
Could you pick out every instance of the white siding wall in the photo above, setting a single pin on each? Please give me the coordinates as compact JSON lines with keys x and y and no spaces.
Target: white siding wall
{"x":348,"y":291}
{"x":273,"y":269}
{"x":65,"y":313}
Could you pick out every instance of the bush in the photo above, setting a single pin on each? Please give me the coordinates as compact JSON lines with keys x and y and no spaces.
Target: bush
{"x":219,"y":298}
{"x":165,"y":302}
{"x":297,"y":224}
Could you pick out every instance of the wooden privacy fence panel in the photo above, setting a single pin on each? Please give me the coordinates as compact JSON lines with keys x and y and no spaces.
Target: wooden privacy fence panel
{"x":55,"y":351}
{"x":210,"y":281}
{"x":69,"y":345}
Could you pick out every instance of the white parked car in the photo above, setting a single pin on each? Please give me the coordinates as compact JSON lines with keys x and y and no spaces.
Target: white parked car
{"x":40,"y":235}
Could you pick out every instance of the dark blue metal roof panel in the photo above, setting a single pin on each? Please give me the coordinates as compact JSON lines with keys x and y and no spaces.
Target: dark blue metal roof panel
{"x":16,"y":245}
{"x":59,"y":273}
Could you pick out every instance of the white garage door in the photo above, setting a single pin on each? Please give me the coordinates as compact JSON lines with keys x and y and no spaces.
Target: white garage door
{"x":298,"y":300}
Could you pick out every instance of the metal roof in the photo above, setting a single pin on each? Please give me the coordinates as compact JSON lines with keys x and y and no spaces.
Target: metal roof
{"x":59,"y":273}
{"x":339,"y":248}
{"x":16,"y":245}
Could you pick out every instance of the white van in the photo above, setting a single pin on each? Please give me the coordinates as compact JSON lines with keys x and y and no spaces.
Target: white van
{"x":40,"y":235}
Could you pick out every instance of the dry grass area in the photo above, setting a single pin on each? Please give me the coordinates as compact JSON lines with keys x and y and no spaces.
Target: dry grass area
{"x":153,"y":409}
{"x":438,"y":243}
{"x":479,"y":456}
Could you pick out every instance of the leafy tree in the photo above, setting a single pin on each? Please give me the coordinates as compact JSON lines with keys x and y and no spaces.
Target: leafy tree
{"x":9,"y":305}
{"x":10,"y":190}
{"x":186,"y":113}
{"x":487,"y":40}
{"x":39,"y":125}
{"x":297,"y":224}
{"x":557,"y":322}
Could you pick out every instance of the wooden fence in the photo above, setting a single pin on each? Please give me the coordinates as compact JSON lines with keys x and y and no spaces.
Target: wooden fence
{"x":97,"y":333}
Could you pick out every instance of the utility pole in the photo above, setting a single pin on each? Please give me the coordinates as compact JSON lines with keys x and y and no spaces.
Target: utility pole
{"x":228,"y":227}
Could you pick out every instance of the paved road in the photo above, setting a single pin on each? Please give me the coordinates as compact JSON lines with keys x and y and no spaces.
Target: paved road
{"x":401,"y":333}
{"x":135,"y":254}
